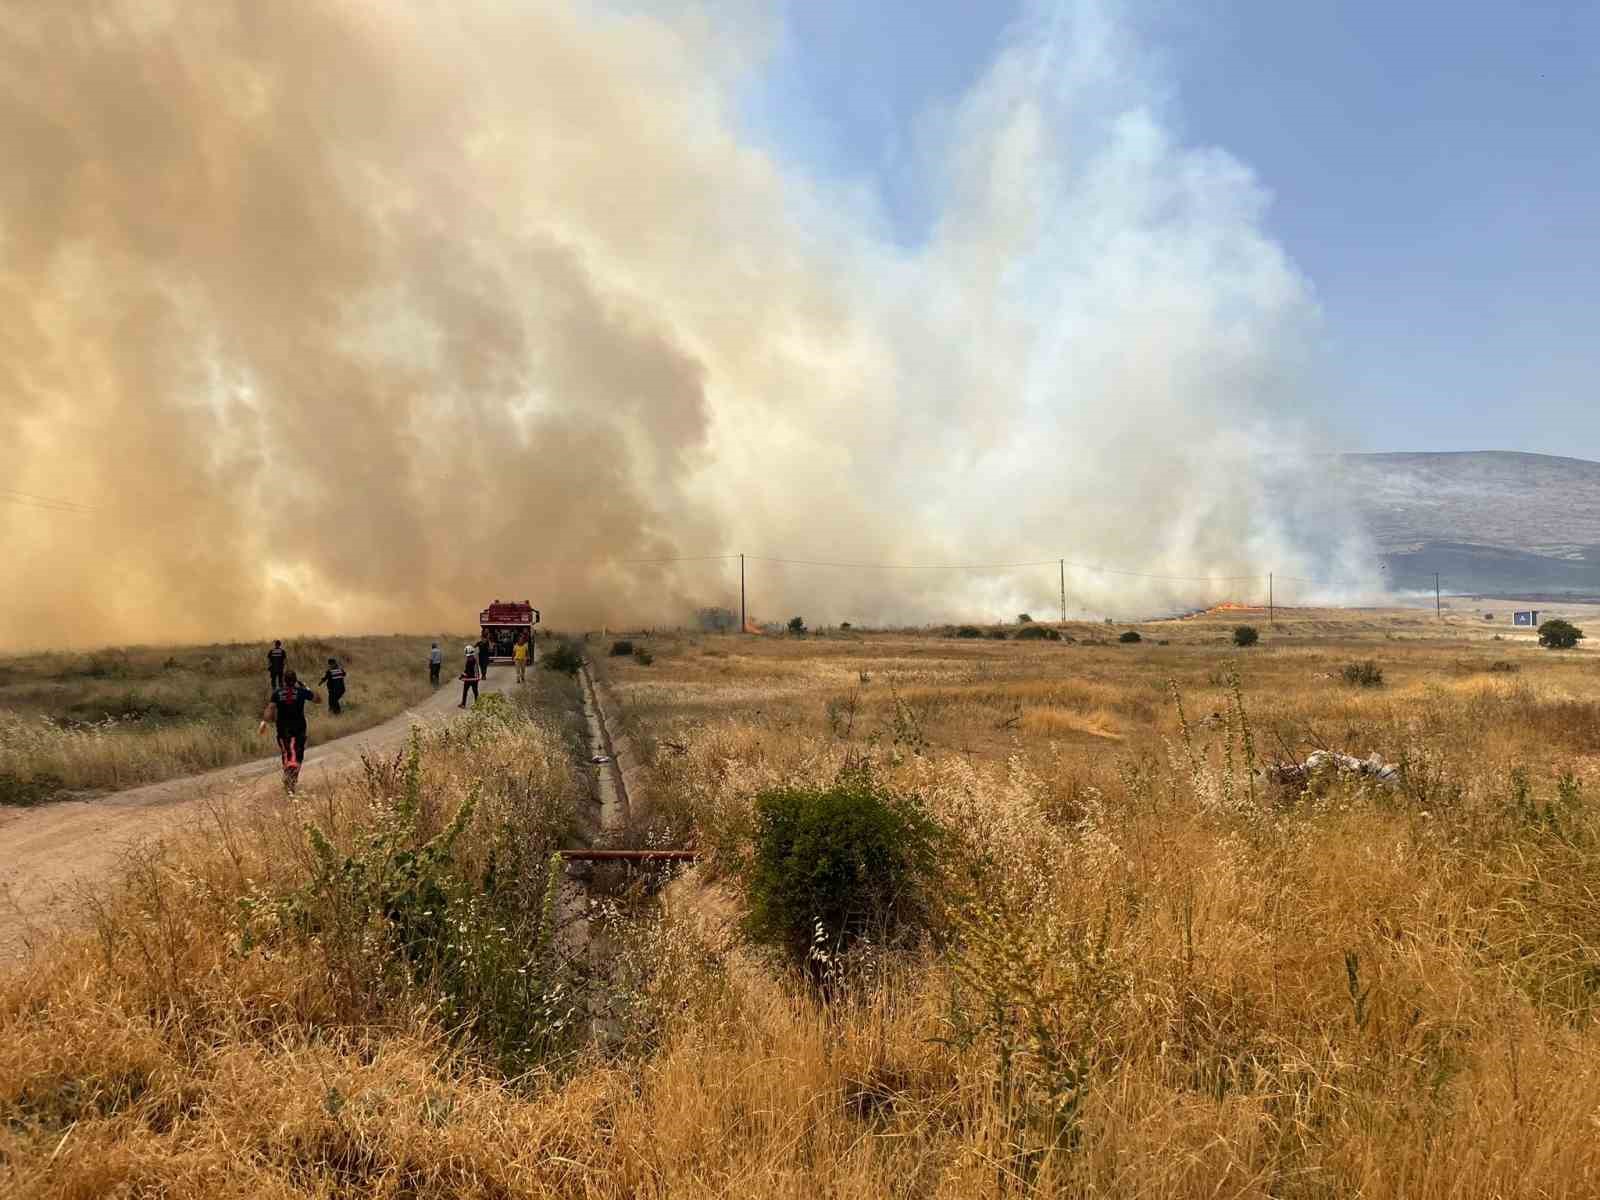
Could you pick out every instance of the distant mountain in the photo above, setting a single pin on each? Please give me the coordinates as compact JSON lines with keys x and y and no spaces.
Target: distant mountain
{"x":1488,"y":521}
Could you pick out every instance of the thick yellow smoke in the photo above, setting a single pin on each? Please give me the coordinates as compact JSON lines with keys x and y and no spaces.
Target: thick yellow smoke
{"x":345,"y":316}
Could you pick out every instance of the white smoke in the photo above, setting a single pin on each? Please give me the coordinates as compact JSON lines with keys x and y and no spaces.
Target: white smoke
{"x":389,"y":316}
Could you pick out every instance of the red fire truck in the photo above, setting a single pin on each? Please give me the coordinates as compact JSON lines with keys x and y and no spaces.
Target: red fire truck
{"x":503,"y":622}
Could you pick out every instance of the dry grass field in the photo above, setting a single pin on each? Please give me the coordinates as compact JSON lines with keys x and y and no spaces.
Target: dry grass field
{"x":1150,"y":968}
{"x":82,"y":723}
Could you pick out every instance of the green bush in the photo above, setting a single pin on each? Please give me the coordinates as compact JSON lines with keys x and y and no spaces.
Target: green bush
{"x":797,"y":625}
{"x":997,"y":635}
{"x":833,"y":865}
{"x":968,"y":631}
{"x":1246,"y":635}
{"x":564,"y":658}
{"x":1559,"y":635}
{"x":1129,"y":636}
{"x":26,"y":791}
{"x":392,"y":906}
{"x":1024,"y":619}
{"x":1362,"y":674}
{"x":1037,"y":633}
{"x":621,"y":649}
{"x":643,"y":657}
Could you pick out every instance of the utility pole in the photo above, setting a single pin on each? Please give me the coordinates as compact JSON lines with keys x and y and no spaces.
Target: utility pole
{"x":1272,"y":612}
{"x":1063,"y":591}
{"x":1438,"y":605}
{"x":743,"y":621}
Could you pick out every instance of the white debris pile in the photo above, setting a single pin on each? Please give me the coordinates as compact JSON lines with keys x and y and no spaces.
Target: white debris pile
{"x":1318,"y":761}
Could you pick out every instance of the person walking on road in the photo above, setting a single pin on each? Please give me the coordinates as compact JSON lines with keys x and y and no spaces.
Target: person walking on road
{"x":485,"y":649}
{"x":276,"y":657}
{"x":470,"y":675}
{"x":286,"y":708}
{"x":435,"y":661}
{"x":333,"y":677}
{"x":519,"y":655}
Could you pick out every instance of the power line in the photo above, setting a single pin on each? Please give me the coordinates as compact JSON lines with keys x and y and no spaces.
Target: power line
{"x":865,"y":566}
{"x":44,"y":503}
{"x":1172,"y":578}
{"x":1000,"y":566}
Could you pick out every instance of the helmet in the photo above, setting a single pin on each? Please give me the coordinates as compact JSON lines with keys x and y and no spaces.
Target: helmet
{"x":470,"y":648}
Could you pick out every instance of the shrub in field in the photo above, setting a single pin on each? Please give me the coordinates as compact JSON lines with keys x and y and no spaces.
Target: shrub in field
{"x":621,"y":649}
{"x":1559,"y":635}
{"x":997,"y":635}
{"x":643,"y":657}
{"x":1130,"y":636}
{"x":459,"y":907}
{"x":797,"y":625}
{"x":834,"y":864}
{"x":968,"y":631}
{"x":1362,"y":674}
{"x":24,"y":791}
{"x":1038,"y":633}
{"x":1246,"y":635}
{"x":1024,"y":619}
{"x":564,"y":658}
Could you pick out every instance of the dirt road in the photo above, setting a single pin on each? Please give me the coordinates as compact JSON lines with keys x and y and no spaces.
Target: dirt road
{"x":45,"y":851}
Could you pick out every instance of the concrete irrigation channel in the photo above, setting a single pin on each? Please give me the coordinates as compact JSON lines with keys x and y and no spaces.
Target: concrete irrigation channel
{"x":616,"y":785}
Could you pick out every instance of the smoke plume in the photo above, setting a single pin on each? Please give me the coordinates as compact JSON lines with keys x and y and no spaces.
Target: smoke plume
{"x":334,"y":316}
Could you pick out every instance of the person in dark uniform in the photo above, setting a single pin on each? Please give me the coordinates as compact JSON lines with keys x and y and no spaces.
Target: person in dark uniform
{"x":286,"y":708}
{"x":469,"y":678}
{"x":485,"y":649}
{"x":276,"y":657}
{"x":333,"y":677}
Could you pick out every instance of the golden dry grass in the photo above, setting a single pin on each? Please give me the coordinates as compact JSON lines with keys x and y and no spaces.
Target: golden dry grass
{"x":1156,"y":975}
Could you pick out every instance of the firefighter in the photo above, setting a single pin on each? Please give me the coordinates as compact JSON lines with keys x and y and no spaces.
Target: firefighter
{"x":519,"y":655}
{"x":334,"y":678}
{"x":469,"y":677}
{"x":286,"y":708}
{"x":485,"y":649}
{"x":435,"y":661}
{"x":276,"y":657}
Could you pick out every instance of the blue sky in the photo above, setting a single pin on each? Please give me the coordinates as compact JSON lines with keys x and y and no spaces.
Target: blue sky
{"x":1434,"y":167}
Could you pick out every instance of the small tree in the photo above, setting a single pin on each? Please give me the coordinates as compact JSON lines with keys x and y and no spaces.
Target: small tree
{"x":1362,"y":674}
{"x":834,"y":864}
{"x":1246,"y":635}
{"x":1559,"y":635}
{"x":1130,"y":636}
{"x":1038,"y":633}
{"x":797,"y":625}
{"x":564,"y":658}
{"x":1024,"y":619}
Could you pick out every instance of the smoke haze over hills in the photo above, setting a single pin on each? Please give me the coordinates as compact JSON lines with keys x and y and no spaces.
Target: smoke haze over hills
{"x":348,"y":318}
{"x":1489,"y":522}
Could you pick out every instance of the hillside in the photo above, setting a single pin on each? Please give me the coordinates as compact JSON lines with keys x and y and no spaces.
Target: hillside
{"x":1487,"y":521}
